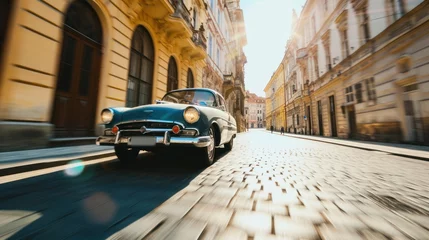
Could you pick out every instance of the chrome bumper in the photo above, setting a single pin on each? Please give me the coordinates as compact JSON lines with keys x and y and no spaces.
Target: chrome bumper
{"x":165,"y":140}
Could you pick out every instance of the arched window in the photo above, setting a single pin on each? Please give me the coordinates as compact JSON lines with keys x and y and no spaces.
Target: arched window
{"x":172,"y":81}
{"x":140,"y":76}
{"x":190,"y":79}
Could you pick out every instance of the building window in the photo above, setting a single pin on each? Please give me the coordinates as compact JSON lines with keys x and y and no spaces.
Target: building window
{"x":217,"y":57}
{"x":345,"y":43}
{"x":212,"y":3}
{"x":328,"y":56}
{"x":140,"y":76}
{"x":370,"y":89}
{"x":316,"y":65}
{"x":195,"y":18}
{"x":190,"y":79}
{"x":365,"y":26}
{"x":313,"y":23}
{"x":395,"y":9}
{"x":358,"y":89}
{"x":297,"y":119}
{"x":349,"y":94}
{"x":210,"y":45}
{"x":172,"y":79}
{"x":326,"y":5}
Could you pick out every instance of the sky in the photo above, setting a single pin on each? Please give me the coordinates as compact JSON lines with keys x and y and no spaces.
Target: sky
{"x":268,"y":26}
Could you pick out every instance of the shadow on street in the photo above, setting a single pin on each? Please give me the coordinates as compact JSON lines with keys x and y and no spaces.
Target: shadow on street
{"x":95,"y":201}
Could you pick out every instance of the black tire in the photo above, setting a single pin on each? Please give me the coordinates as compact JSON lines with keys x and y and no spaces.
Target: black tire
{"x":208,"y":153}
{"x":230,"y":144}
{"x":126,"y":156}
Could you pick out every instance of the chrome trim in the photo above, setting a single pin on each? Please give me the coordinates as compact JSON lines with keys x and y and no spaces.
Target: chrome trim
{"x":165,"y":140}
{"x":151,"y":120}
{"x":113,"y":115}
{"x":199,"y":114}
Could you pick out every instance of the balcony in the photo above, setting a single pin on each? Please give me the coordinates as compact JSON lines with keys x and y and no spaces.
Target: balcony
{"x":180,"y":11}
{"x":301,"y":53}
{"x":199,"y":39}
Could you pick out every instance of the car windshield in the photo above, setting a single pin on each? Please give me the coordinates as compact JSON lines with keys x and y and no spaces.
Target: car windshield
{"x":194,"y":97}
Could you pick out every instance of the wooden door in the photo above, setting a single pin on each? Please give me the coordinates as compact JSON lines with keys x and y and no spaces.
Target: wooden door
{"x":73,"y":112}
{"x":5,"y":10}
{"x":77,"y":87}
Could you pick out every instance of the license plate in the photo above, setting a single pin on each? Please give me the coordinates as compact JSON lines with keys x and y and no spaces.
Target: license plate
{"x":142,"y":141}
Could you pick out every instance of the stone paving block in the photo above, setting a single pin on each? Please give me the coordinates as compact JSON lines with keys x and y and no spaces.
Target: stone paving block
{"x":332,"y":233}
{"x":222,"y":183}
{"x":206,"y":189}
{"x":331,"y":207}
{"x":208,"y":182}
{"x":270,"y":237}
{"x":381,"y":225}
{"x":232,"y":233}
{"x":371,"y":235}
{"x":419,"y":219}
{"x":192,"y":196}
{"x":254,"y":186}
{"x":271,"y":208}
{"x":239,"y":185}
{"x":261,"y":195}
{"x":209,"y":232}
{"x":341,"y":220}
{"x":285,"y":198}
{"x":408,"y":228}
{"x":286,"y":227}
{"x":216,"y":199}
{"x":177,"y":209}
{"x":225,"y":191}
{"x":300,"y":213}
{"x":327,"y":196}
{"x":252,"y":222}
{"x":313,"y":204}
{"x":241,"y":203}
{"x":187,"y":229}
{"x":140,"y":228}
{"x":347,"y":207}
{"x":245,"y":193}
{"x":214,"y":215}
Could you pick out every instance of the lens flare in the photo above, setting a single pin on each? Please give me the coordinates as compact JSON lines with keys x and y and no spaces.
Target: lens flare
{"x":74,"y":168}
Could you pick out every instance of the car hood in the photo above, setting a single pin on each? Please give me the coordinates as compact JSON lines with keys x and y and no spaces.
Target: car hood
{"x":168,"y":112}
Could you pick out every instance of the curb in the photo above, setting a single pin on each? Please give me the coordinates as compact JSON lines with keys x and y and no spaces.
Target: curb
{"x":37,"y":164}
{"x":358,"y":147}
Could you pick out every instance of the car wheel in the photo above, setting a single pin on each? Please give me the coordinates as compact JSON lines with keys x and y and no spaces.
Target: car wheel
{"x":126,"y":155}
{"x":208,"y":153}
{"x":230,"y":144}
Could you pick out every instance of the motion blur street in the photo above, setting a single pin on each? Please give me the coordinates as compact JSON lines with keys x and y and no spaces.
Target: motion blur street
{"x":268,"y":186}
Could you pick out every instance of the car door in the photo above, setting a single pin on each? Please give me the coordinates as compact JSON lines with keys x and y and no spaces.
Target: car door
{"x":225,"y":119}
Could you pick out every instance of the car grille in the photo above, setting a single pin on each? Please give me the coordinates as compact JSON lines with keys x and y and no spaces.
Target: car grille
{"x":138,"y":125}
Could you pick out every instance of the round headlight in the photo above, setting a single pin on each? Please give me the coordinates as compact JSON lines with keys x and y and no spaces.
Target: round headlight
{"x":191,"y":115}
{"x":106,"y":116}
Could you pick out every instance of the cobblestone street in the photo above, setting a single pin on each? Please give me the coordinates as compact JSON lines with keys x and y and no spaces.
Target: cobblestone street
{"x":277,"y":187}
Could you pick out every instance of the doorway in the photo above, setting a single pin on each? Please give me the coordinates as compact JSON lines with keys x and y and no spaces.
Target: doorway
{"x":351,"y":115}
{"x":310,"y":129}
{"x":5,"y":10}
{"x":320,"y":116}
{"x":77,"y":84}
{"x":333,"y":116}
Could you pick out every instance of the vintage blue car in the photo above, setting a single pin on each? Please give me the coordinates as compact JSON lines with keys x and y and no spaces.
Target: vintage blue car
{"x":191,"y":117}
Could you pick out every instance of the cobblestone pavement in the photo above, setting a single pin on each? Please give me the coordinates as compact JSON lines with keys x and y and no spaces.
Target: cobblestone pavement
{"x":277,"y":187}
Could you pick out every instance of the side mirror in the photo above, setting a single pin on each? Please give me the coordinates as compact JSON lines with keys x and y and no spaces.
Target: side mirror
{"x":157,"y":101}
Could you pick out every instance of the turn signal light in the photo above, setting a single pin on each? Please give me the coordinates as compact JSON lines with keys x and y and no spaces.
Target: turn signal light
{"x":115,"y":130}
{"x":176,"y":129}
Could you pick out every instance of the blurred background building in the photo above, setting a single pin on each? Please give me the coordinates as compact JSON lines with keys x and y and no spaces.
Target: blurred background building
{"x":63,"y":61}
{"x":359,"y":69}
{"x":275,"y":100}
{"x":255,"y":111}
{"x":224,"y":71}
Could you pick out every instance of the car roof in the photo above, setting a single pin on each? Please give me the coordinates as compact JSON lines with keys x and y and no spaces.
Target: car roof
{"x":203,"y":89}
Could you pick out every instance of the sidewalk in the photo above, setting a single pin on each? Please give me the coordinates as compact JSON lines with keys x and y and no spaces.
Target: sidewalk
{"x":51,"y":155}
{"x":403,"y":150}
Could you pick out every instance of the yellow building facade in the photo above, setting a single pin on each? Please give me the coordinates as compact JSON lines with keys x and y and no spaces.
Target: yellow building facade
{"x":275,"y":100}
{"x":64,"y":61}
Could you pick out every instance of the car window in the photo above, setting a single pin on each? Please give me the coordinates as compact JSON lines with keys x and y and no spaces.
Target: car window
{"x":193,"y":97}
{"x":221,"y":102}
